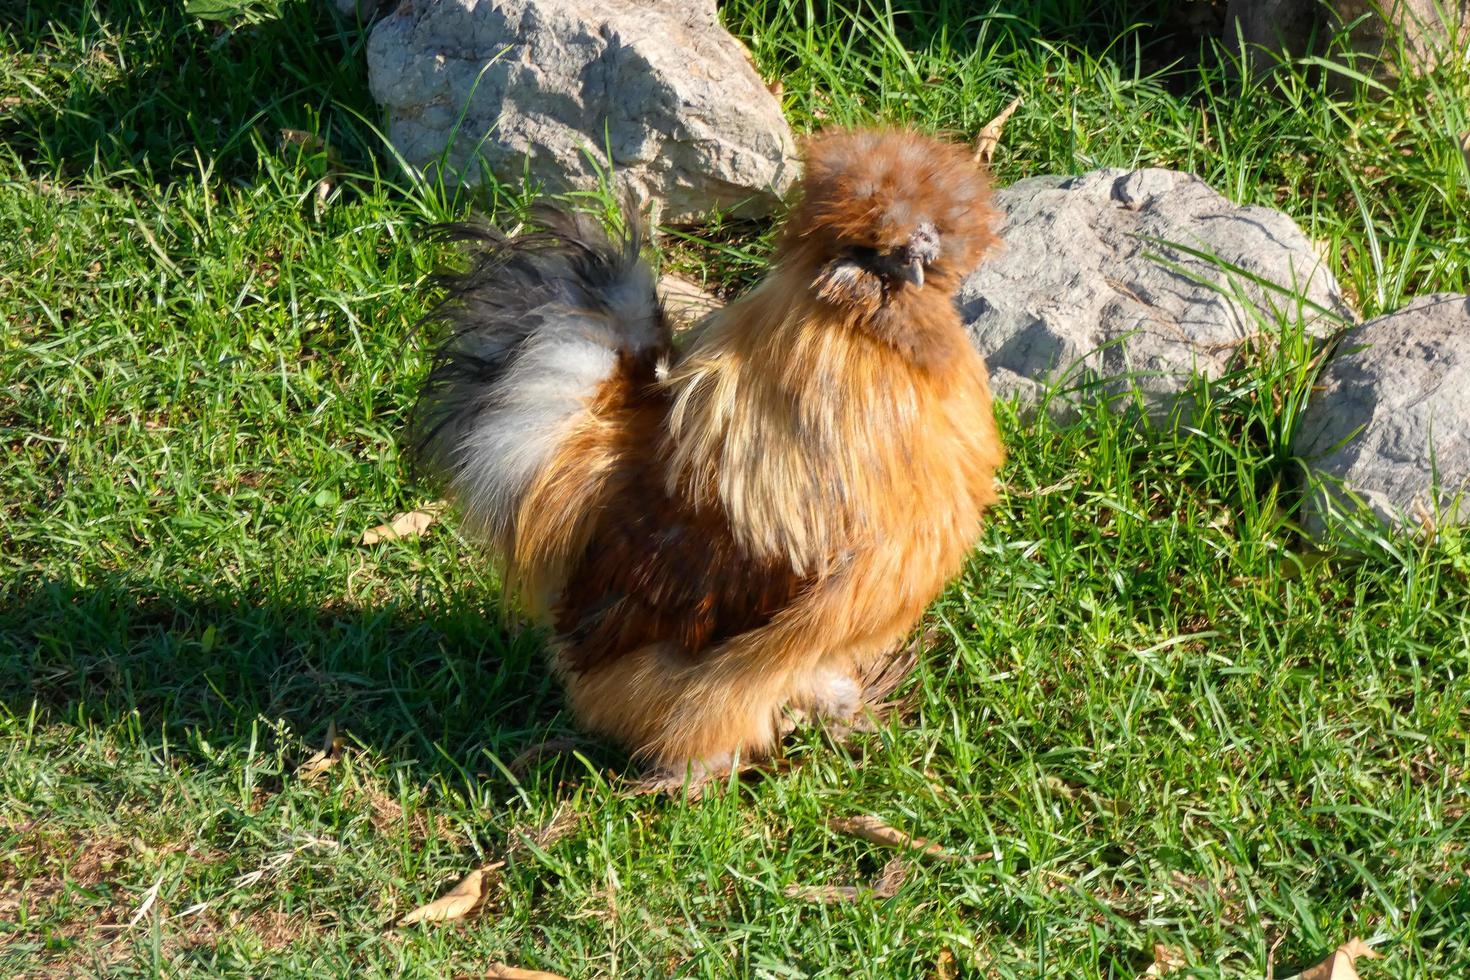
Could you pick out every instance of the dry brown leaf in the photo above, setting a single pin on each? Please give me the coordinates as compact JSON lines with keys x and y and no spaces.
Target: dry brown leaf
{"x":877,"y":832}
{"x":1271,"y":957}
{"x":944,"y":967}
{"x":504,"y":971}
{"x":563,"y":821}
{"x":313,"y":768}
{"x":1465,"y":147}
{"x":456,"y":903}
{"x":891,"y":878}
{"x":828,"y":894}
{"x":406,"y":525}
{"x":311,"y":144}
{"x":1167,"y":959}
{"x":886,"y":885}
{"x":1341,"y":964}
{"x":989,"y":137}
{"x":1059,"y":786}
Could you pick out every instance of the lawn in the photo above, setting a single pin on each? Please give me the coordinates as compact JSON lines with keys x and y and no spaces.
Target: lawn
{"x":1151,"y":713}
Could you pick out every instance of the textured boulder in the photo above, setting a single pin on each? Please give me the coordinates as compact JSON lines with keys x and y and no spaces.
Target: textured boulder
{"x":1088,"y":284}
{"x":1391,"y":411}
{"x":560,"y":89}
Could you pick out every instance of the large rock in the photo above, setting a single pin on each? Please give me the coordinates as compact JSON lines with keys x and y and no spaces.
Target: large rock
{"x":560,"y":89}
{"x":1089,"y":285}
{"x":1429,"y":30}
{"x":1392,"y":410}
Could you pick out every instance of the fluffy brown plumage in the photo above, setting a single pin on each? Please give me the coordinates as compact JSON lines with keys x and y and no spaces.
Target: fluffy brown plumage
{"x":719,"y":534}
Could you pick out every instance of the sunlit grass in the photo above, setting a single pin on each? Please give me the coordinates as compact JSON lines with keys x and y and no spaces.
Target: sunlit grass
{"x":1166,"y":718}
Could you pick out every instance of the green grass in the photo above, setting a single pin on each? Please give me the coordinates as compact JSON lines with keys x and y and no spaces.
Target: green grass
{"x":1168,"y":720}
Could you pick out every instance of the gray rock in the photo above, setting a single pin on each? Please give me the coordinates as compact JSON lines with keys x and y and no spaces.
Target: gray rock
{"x":558,"y":89}
{"x":1392,"y":410}
{"x":1085,"y":286}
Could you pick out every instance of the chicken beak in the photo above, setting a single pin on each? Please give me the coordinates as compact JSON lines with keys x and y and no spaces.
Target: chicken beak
{"x":914,"y":273}
{"x":922,"y":248}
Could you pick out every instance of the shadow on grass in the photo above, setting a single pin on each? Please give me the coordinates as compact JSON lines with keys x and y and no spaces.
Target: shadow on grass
{"x":445,"y":691}
{"x":136,"y":85}
{"x":139,"y":85}
{"x":1145,"y":34}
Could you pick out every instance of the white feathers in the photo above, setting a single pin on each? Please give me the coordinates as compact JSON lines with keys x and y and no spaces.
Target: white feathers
{"x":629,"y":306}
{"x":544,"y":390}
{"x":538,"y":325}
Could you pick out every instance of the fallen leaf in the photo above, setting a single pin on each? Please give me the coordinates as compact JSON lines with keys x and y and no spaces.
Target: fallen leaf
{"x":457,"y":903}
{"x":1059,"y":786}
{"x":563,"y":821}
{"x":313,"y":769}
{"x":989,"y":137}
{"x":147,"y":904}
{"x":944,"y":968}
{"x":406,"y":525}
{"x":1167,"y":959}
{"x":311,"y":144}
{"x":504,"y":971}
{"x":1271,"y":957}
{"x":891,"y":878}
{"x":827,"y":894}
{"x":877,"y":832}
{"x":1341,"y":964}
{"x":1072,"y":792}
{"x":886,"y":885}
{"x":1424,"y":517}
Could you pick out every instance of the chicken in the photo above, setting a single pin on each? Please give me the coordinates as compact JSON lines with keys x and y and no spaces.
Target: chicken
{"x":744,"y":526}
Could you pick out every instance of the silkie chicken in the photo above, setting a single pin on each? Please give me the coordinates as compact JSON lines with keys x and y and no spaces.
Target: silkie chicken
{"x":741,"y":528}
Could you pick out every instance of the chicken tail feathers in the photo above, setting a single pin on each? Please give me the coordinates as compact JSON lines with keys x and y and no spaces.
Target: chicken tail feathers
{"x":531,"y":331}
